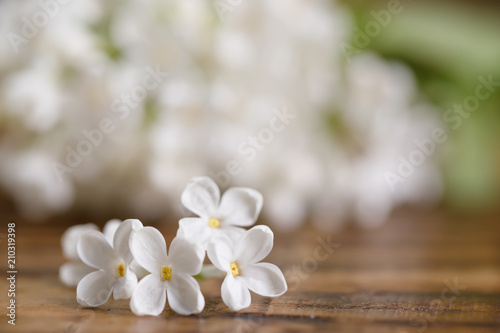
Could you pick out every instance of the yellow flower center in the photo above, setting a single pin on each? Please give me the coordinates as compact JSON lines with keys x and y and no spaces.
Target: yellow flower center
{"x":214,"y":223}
{"x":166,"y":273}
{"x":234,"y":269}
{"x":121,"y":270}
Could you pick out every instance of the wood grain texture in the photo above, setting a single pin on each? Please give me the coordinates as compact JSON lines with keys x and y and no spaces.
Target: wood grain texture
{"x":420,"y":272}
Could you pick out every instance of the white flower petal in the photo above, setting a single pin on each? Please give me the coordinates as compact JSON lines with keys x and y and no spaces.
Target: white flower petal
{"x":149,"y":249}
{"x":233,"y":233}
{"x":240,"y":206}
{"x":195,"y":229}
{"x":235,"y":294}
{"x":121,"y":238}
{"x":184,"y":295}
{"x":70,"y":238}
{"x":201,"y":196}
{"x":149,"y":297}
{"x":220,"y":252}
{"x":95,"y":288}
{"x":264,"y":279}
{"x":95,"y":251}
{"x":110,"y":229}
{"x":125,"y":285}
{"x":186,"y":257}
{"x":254,"y":245}
{"x":139,"y":271}
{"x":71,"y":273}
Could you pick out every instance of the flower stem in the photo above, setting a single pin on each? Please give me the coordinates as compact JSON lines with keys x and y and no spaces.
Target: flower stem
{"x":209,"y":271}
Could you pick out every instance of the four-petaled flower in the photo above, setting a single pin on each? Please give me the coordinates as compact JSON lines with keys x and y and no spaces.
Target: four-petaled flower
{"x":238,"y":207}
{"x":112,"y":262}
{"x":73,"y":271}
{"x":240,"y":259}
{"x":171,"y":275}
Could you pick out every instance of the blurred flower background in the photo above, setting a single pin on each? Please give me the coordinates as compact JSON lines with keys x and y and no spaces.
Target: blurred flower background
{"x":336,"y":112}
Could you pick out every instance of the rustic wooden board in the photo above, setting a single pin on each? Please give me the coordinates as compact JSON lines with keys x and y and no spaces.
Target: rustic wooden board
{"x":420,"y":272}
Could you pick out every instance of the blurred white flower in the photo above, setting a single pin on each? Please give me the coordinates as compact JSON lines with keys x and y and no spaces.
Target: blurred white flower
{"x":226,"y":79}
{"x":33,"y":95}
{"x":31,"y":180}
{"x":72,"y":272}
{"x":109,"y":230}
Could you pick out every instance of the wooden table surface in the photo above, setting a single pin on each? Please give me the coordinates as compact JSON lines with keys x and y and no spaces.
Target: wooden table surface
{"x":420,"y":272}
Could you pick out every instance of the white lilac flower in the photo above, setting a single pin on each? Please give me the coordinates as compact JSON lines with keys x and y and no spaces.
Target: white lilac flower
{"x":109,"y":229}
{"x":170,"y":274}
{"x":72,"y":272}
{"x":238,"y":207}
{"x":195,"y":124}
{"x":33,"y":96}
{"x":113,"y":273}
{"x":379,"y":105}
{"x":109,"y":232}
{"x":240,"y":259}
